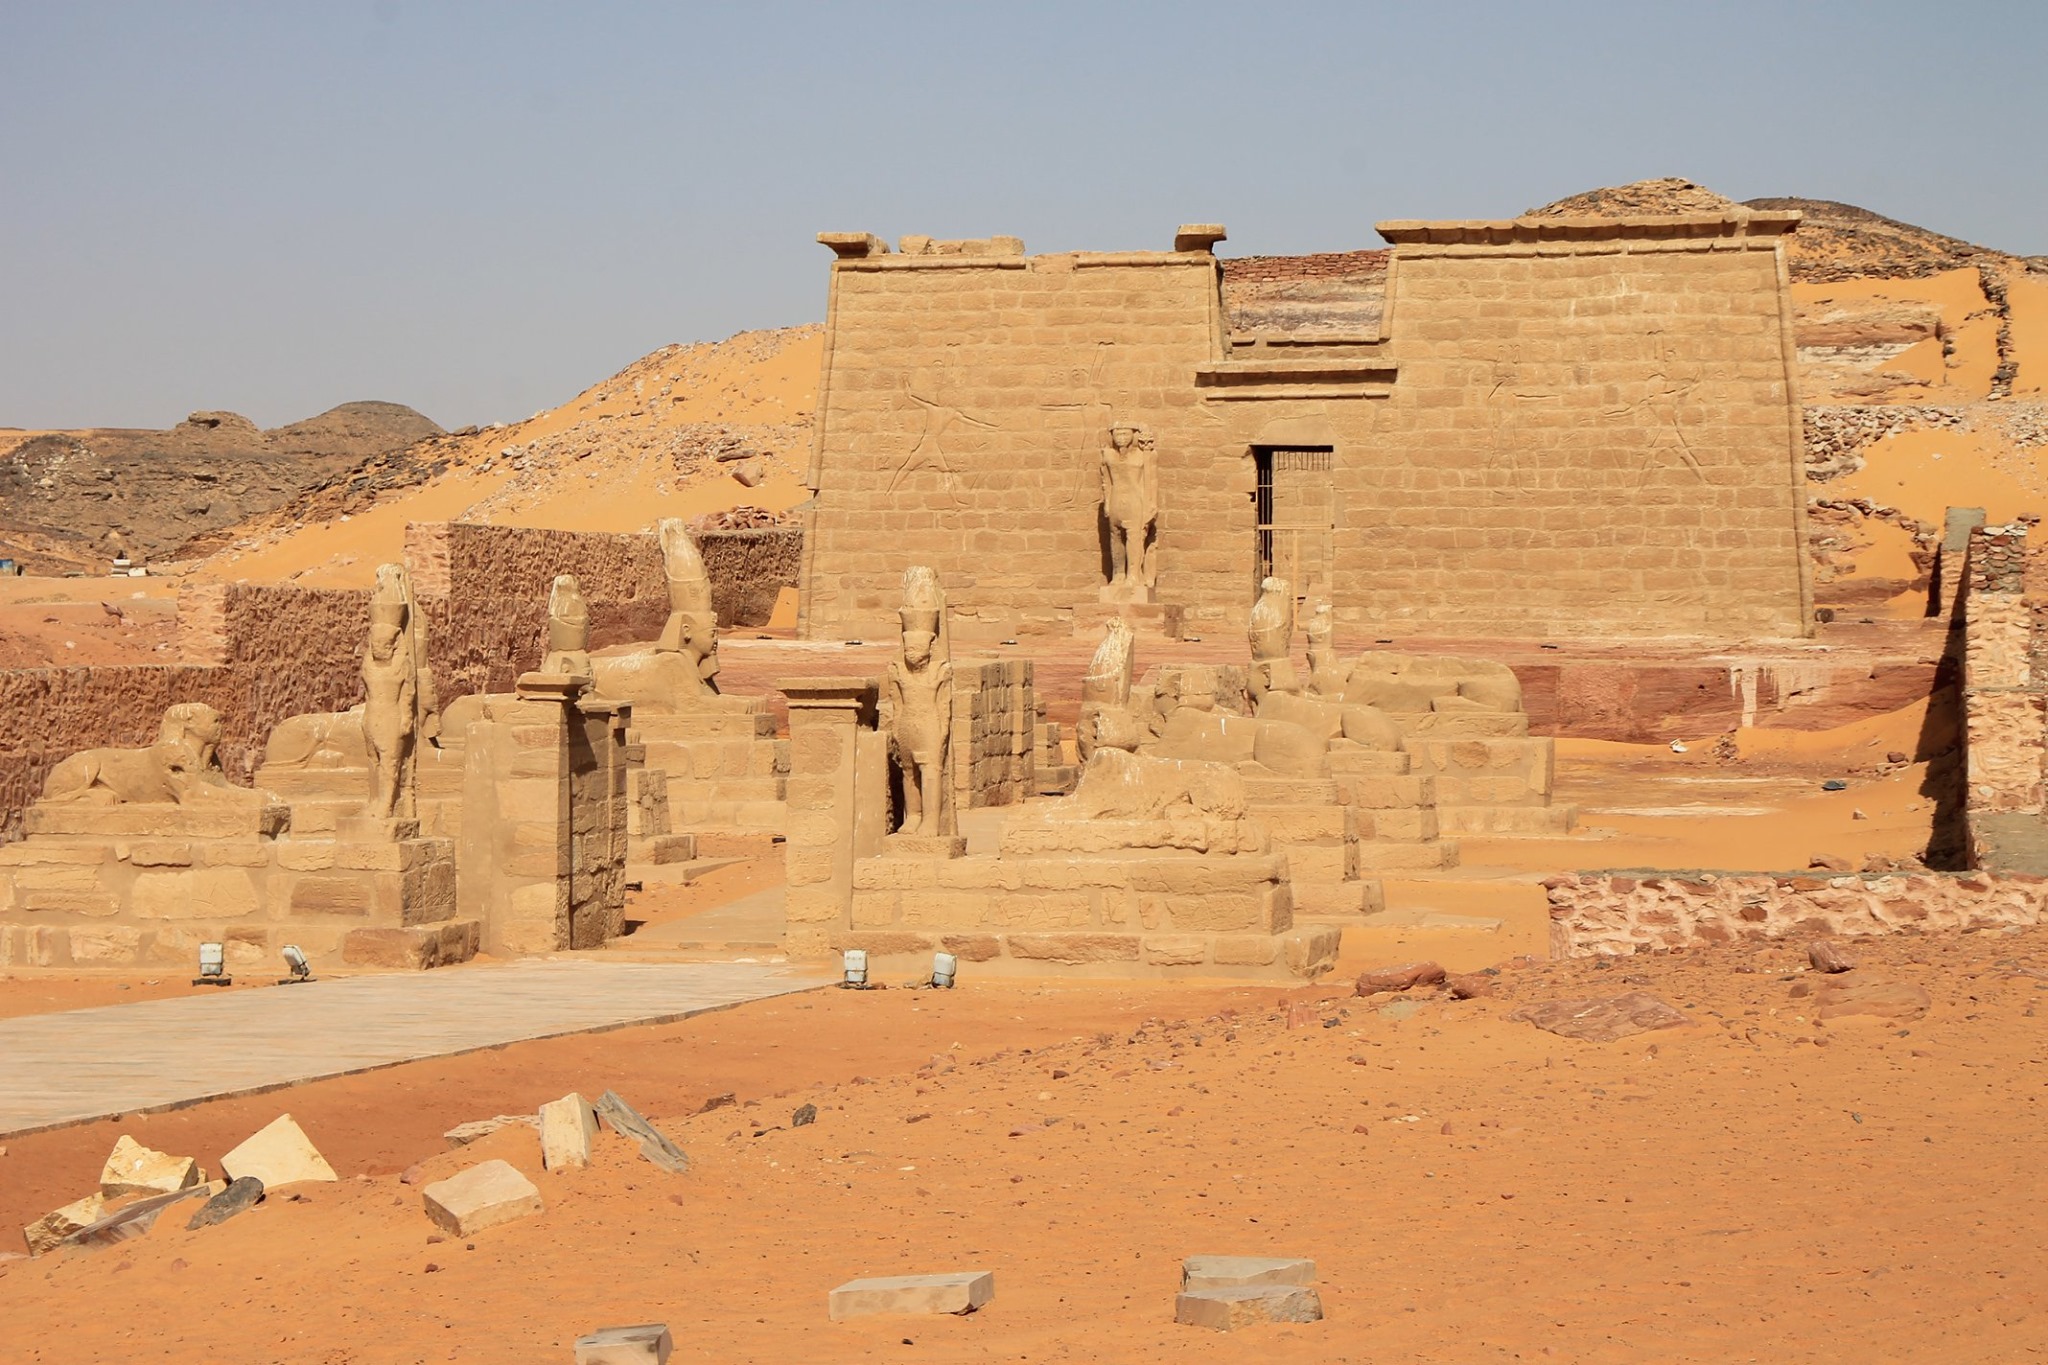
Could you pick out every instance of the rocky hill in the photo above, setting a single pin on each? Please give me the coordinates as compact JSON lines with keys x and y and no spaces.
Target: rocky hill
{"x":73,"y":499}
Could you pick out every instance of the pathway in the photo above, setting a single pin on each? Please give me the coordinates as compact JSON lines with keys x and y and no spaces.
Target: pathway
{"x":78,"y":1065}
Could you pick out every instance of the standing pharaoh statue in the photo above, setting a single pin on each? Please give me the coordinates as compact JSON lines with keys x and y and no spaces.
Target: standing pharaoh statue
{"x":692,"y":628}
{"x":1130,"y":503}
{"x":918,"y":706}
{"x":391,"y":702}
{"x":568,"y":629}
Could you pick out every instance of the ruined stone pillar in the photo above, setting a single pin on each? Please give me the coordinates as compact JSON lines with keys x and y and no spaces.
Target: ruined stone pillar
{"x":838,"y":803}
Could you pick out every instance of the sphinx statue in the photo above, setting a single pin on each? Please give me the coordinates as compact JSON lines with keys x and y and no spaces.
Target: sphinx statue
{"x":679,"y":672}
{"x":917,"y":706}
{"x":182,"y":768}
{"x":568,"y":650}
{"x":1106,"y":719}
{"x":1272,"y":636}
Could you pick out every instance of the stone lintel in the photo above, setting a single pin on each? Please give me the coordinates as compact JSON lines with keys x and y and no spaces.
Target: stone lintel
{"x":833,"y":694}
{"x":1198,"y":236}
{"x":1528,"y":231}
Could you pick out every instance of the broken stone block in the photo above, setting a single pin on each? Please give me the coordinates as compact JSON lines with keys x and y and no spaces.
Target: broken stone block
{"x":955,"y":1292}
{"x":53,"y":1228}
{"x":462,"y":1134}
{"x":568,"y":1127}
{"x":481,"y":1197}
{"x":134,"y":1169}
{"x":1237,"y":1272}
{"x":133,"y":1221}
{"x":654,"y":1145}
{"x":280,"y":1154}
{"x":647,"y":1344}
{"x":1604,"y":1020}
{"x":1226,"y":1310}
{"x":239,"y":1195}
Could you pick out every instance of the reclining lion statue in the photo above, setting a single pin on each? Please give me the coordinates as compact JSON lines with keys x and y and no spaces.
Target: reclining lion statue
{"x":183,"y":765}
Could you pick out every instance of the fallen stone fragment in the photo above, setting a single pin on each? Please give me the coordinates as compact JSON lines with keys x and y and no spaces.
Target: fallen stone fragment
{"x":281,"y":1154}
{"x":1226,"y":1310}
{"x":1829,"y":862}
{"x":462,"y":1134}
{"x":1238,"y":1272}
{"x":245,"y":1193}
{"x":1898,"y":1002}
{"x":133,"y":1221}
{"x":481,"y":1197}
{"x":718,"y":1102}
{"x":134,"y":1169}
{"x":647,"y":1344}
{"x":54,"y":1227}
{"x":626,"y":1121}
{"x":1470,"y":985}
{"x":568,"y":1127}
{"x":1602,"y":1021}
{"x":1826,"y":957}
{"x":1404,"y":977}
{"x":954,"y":1292}
{"x":805,"y":1114}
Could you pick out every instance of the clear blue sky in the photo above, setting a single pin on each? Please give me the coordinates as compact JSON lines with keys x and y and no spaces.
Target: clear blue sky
{"x":478,"y":209}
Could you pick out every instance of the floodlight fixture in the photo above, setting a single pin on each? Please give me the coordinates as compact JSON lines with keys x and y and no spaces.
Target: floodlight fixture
{"x":944,"y":968}
{"x":213,"y":966}
{"x":856,"y":969}
{"x":295,"y":958}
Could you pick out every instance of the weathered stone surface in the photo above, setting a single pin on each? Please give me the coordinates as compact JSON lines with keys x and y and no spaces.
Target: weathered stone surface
{"x":1602,"y":1021}
{"x":954,"y":1292}
{"x":1899,"y":1002}
{"x":241,"y":1194}
{"x":281,"y":1154}
{"x":1238,"y":1272}
{"x":1226,"y":1310}
{"x":54,"y":1227}
{"x":462,"y":1134}
{"x":1827,"y":957}
{"x":1404,"y":977}
{"x":654,"y":1145}
{"x":133,"y":1169}
{"x":647,"y":1344}
{"x":568,"y":1127}
{"x":481,"y":1197}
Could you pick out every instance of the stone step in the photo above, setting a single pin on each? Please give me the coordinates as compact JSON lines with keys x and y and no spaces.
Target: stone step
{"x":1407,"y":826}
{"x":662,"y":848}
{"x":1276,"y":791}
{"x":1345,"y":900}
{"x":1386,"y":857}
{"x":1508,"y":821}
{"x":678,"y":873}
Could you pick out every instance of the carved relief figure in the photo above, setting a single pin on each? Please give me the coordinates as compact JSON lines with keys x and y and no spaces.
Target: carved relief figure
{"x":183,"y":765}
{"x":568,"y":629}
{"x":692,"y":628}
{"x":391,"y":717}
{"x":1130,"y":503}
{"x":918,"y":706}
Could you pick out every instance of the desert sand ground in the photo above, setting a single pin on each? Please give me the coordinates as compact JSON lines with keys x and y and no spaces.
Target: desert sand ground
{"x":1756,"y":1186}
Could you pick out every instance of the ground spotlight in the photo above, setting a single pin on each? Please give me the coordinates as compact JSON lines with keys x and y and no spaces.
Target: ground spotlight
{"x":295,"y":958}
{"x":856,"y":969}
{"x":213,"y":966}
{"x":944,"y":968}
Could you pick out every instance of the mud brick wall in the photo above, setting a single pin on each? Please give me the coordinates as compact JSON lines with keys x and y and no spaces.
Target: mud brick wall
{"x":1572,"y":428}
{"x":749,"y":569}
{"x":1607,"y":913}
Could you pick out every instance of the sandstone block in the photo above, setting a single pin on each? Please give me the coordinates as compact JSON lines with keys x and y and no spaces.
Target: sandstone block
{"x":568,"y":1127}
{"x":114,"y":943}
{"x":1226,"y":1310}
{"x":279,"y":1154}
{"x":54,"y":1227}
{"x":647,"y":1344}
{"x":481,"y":1197}
{"x":1237,"y":1272}
{"x":462,"y":1134}
{"x":133,"y":1169}
{"x":956,"y":1292}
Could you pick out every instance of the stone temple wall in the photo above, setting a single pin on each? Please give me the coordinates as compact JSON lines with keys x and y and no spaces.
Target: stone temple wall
{"x":1578,"y":428}
{"x":749,"y":569}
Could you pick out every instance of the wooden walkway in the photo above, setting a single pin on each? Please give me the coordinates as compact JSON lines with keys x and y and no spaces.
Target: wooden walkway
{"x":79,"y":1065}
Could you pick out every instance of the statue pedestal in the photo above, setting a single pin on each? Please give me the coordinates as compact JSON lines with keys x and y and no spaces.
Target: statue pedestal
{"x":370,"y":829}
{"x":925,"y":846}
{"x":1127,"y":594}
{"x":1157,"y":619}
